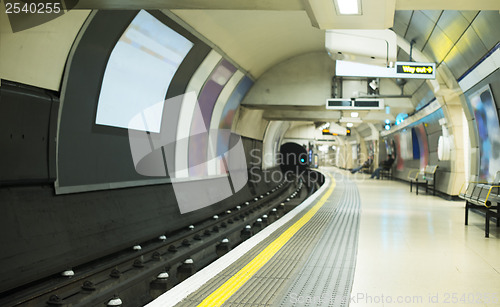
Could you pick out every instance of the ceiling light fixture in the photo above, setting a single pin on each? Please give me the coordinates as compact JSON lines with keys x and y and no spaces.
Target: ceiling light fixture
{"x":354,"y":114}
{"x":349,"y":125}
{"x":348,"y":7}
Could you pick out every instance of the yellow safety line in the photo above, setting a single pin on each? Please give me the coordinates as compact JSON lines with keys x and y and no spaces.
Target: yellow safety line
{"x":224,"y":292}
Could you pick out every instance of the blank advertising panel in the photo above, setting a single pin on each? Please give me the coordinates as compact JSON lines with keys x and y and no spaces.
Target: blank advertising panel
{"x":138,"y":74}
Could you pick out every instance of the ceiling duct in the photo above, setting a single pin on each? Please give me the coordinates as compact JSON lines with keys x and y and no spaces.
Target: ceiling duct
{"x":375,"y":47}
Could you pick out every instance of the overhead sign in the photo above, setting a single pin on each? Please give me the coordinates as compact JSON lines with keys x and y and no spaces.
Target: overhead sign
{"x":416,"y":70}
{"x":327,"y":132}
{"x":407,"y":70}
{"x":354,"y":103}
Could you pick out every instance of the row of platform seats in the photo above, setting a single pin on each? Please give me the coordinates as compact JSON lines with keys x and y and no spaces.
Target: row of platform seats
{"x":484,"y":197}
{"x":426,"y":178}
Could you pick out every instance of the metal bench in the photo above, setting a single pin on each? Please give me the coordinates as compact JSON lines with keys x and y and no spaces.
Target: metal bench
{"x":386,"y":173}
{"x":426,"y":178}
{"x":484,"y":197}
{"x":430,"y":178}
{"x":413,"y":177}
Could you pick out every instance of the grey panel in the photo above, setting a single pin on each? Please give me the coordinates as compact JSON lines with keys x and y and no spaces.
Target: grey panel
{"x":401,"y":22}
{"x":27,"y":121}
{"x":442,"y":180}
{"x":412,"y":85}
{"x":433,"y":142}
{"x":433,"y":158}
{"x":409,"y":165}
{"x":433,"y":127}
{"x":469,"y":114}
{"x":494,"y":81}
{"x":420,"y":29}
{"x":402,"y":55}
{"x":400,"y":174}
{"x":456,"y":62}
{"x":487,"y":27}
{"x":453,"y":24}
{"x":429,"y":96}
{"x":444,"y":166}
{"x":438,"y":45}
{"x":469,"y":15}
{"x":422,"y":96}
{"x":253,"y":152}
{"x":412,"y":164}
{"x":433,"y":15}
{"x":474,"y":137}
{"x":471,"y":47}
{"x":474,"y":158}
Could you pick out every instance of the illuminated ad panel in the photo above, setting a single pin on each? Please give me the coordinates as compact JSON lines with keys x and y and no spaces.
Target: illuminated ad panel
{"x":138,"y":74}
{"x":188,"y":108}
{"x":486,"y":118}
{"x":423,"y":145}
{"x":405,"y":145}
{"x":229,"y":111}
{"x":399,"y":157}
{"x":198,"y":147}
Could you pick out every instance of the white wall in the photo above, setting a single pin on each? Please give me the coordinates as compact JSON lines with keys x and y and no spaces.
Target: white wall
{"x":37,"y":56}
{"x":302,"y":80}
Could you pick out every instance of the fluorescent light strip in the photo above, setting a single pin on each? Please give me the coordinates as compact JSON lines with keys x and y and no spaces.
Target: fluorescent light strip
{"x":348,"y":7}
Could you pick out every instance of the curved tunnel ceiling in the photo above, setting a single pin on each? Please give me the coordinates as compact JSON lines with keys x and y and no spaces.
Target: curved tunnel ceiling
{"x":260,"y":39}
{"x":258,"y":35}
{"x":256,"y":40}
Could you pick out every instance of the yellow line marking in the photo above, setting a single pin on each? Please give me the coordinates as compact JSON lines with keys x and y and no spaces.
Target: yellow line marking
{"x":224,"y":292}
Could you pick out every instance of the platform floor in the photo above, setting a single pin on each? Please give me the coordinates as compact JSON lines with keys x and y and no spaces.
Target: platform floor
{"x":369,"y":243}
{"x":418,"y":250}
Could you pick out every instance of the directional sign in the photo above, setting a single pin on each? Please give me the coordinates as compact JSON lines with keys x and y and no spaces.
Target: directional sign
{"x":416,"y":70}
{"x":406,"y":70}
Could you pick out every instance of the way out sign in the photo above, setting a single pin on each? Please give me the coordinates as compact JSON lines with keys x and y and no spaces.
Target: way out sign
{"x":416,"y":70}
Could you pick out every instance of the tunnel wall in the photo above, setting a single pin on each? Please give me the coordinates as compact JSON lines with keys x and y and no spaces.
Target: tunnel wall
{"x":423,"y":136}
{"x":45,"y":232}
{"x":28,"y":122}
